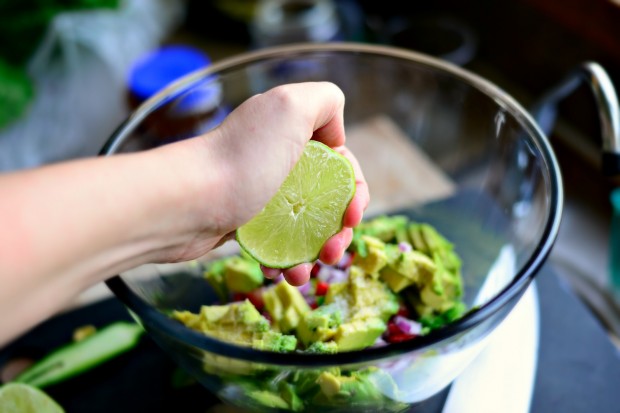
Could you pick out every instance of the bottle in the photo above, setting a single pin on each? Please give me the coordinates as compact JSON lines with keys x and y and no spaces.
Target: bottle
{"x":185,"y":112}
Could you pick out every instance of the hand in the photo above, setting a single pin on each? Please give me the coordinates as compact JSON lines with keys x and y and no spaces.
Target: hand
{"x":262,"y":140}
{"x":170,"y":204}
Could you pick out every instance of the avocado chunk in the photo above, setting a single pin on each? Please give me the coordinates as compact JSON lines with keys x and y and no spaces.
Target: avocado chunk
{"x":385,"y":228}
{"x":374,"y":259}
{"x":319,"y":325}
{"x":359,"y":334}
{"x":288,"y":394}
{"x":285,"y":305}
{"x":274,"y":341}
{"x":407,"y":268}
{"x":327,"y":347}
{"x":364,"y":303}
{"x":242,"y":275}
{"x":214,"y":274}
{"x":268,"y":399}
{"x":356,"y":388}
{"x":427,"y":240}
{"x":239,"y":323}
{"x":369,"y":297}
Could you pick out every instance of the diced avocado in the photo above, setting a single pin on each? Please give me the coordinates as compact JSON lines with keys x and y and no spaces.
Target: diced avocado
{"x":369,"y":298}
{"x":330,"y":385}
{"x":359,"y":334}
{"x":327,"y":347}
{"x":384,"y":227}
{"x":336,"y":290}
{"x":360,"y":390}
{"x":434,"y":321}
{"x":286,"y":306}
{"x":365,"y":304}
{"x":268,"y":399}
{"x":354,"y":389}
{"x":239,"y":323}
{"x":287,"y":392}
{"x":188,"y":318}
{"x":375,"y":258}
{"x":241,"y":315}
{"x":274,"y":341}
{"x":411,"y":267}
{"x":426,"y":239}
{"x":320,"y":324}
{"x":214,"y":275}
{"x":305,"y":381}
{"x":242,"y":275}
{"x":212,"y":314}
{"x":396,"y":281}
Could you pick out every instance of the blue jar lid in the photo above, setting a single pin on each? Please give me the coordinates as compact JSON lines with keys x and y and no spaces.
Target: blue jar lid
{"x":158,"y":69}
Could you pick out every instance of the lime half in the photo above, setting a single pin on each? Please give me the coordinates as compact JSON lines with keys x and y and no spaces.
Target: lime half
{"x":22,"y":398}
{"x":304,"y":213}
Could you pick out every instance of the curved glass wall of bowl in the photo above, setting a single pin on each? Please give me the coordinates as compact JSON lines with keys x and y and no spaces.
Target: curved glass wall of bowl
{"x":437,"y":144}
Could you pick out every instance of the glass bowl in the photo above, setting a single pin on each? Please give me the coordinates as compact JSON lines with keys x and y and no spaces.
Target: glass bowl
{"x":437,"y":143}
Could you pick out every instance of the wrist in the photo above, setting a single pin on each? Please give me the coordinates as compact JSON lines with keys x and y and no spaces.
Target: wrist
{"x":183,"y":219}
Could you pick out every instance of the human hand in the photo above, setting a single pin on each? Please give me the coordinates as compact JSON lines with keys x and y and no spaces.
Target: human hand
{"x":260,"y":142}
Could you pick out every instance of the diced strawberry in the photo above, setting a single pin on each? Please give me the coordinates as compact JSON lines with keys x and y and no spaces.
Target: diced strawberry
{"x":315,"y":269}
{"x":321,"y":288}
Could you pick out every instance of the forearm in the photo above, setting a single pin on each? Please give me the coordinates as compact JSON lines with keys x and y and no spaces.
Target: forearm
{"x":67,"y":226}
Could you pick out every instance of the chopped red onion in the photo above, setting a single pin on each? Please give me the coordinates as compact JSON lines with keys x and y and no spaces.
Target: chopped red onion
{"x":345,"y":261}
{"x":324,"y":273}
{"x":338,"y":276}
{"x":379,"y":342}
{"x":407,"y":326}
{"x":304,"y":289}
{"x":331,"y":275}
{"x":278,"y":279}
{"x":404,"y":247}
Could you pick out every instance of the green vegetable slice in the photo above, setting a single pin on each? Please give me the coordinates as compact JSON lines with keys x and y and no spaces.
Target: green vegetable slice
{"x":76,"y":358}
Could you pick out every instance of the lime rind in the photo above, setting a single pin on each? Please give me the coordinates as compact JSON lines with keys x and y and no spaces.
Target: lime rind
{"x":306,"y":211}
{"x":23,"y":398}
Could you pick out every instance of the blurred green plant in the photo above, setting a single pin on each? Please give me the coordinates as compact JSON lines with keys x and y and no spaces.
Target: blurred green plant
{"x":23,"y":23}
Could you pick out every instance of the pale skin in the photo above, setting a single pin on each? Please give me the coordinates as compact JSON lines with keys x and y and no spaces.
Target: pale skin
{"x":67,"y":226}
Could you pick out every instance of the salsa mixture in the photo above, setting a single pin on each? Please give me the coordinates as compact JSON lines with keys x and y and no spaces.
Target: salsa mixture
{"x":398,"y":280}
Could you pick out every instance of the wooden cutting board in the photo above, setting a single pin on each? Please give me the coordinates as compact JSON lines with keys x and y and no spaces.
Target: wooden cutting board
{"x":398,"y":172}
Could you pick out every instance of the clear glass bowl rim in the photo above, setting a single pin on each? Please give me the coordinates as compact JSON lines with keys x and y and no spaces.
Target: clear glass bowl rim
{"x":153,"y":319}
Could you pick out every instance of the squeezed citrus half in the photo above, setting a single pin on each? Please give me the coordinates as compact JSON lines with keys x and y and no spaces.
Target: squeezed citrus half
{"x":22,"y":398}
{"x":306,"y":211}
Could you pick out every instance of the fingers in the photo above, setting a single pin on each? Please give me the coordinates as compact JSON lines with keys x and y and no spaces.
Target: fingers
{"x":355,"y":211}
{"x":331,"y":253}
{"x":298,"y":275}
{"x":335,"y":246}
{"x":259,"y":143}
{"x":270,"y":272}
